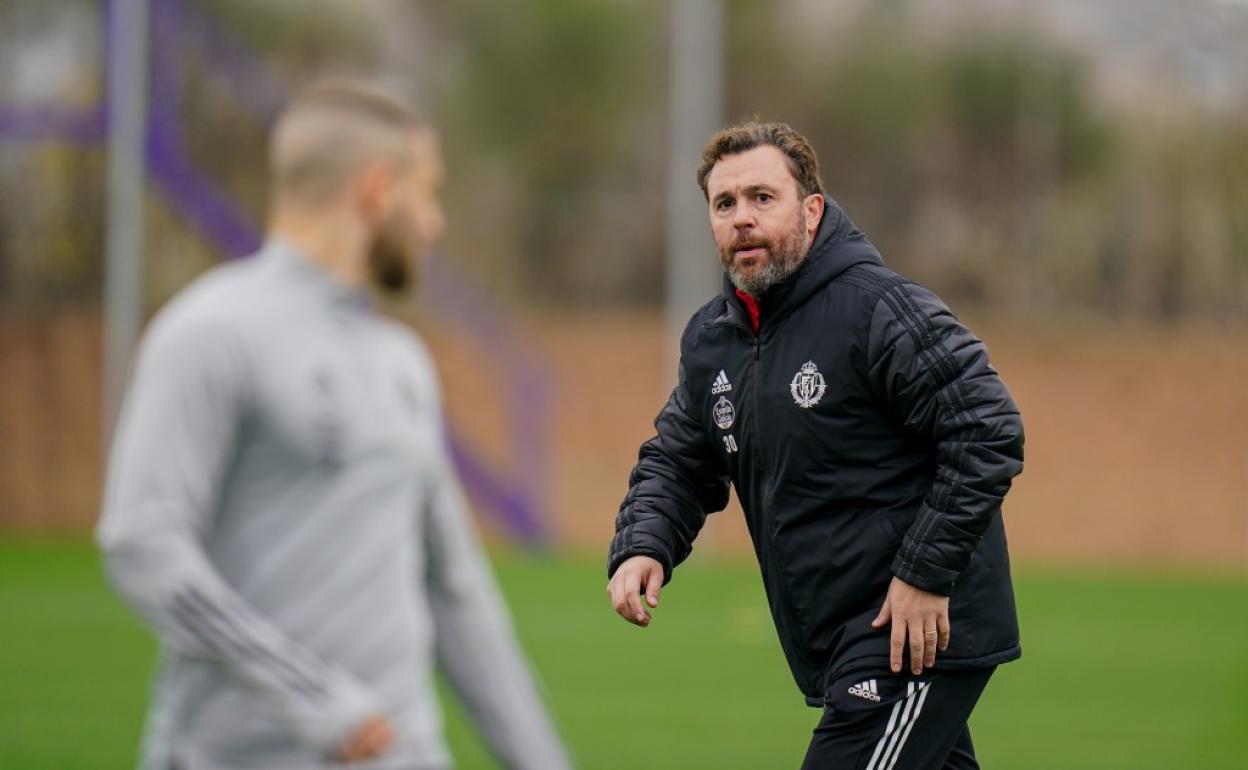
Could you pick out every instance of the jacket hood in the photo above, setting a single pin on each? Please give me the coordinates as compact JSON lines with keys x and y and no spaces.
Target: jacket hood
{"x":838,"y":246}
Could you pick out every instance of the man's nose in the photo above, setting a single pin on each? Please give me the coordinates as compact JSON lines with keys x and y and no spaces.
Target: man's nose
{"x":743,"y":217}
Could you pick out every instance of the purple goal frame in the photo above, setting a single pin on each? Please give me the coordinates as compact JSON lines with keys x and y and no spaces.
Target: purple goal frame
{"x":178,"y":28}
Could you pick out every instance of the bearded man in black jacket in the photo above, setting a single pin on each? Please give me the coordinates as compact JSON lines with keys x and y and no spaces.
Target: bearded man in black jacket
{"x":870,"y":442}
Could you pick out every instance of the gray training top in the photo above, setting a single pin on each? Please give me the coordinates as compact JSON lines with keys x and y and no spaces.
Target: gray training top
{"x":281,"y":508}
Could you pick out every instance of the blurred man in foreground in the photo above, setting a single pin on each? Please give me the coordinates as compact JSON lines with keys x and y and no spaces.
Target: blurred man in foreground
{"x":870,"y":443}
{"x":280,"y":506}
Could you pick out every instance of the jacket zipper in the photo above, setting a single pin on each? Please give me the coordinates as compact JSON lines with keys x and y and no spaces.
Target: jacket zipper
{"x":759,"y":453}
{"x":768,"y":509}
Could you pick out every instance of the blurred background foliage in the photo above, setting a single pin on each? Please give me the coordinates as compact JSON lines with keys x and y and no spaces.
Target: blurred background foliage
{"x":1070,"y":176}
{"x":981,"y":157}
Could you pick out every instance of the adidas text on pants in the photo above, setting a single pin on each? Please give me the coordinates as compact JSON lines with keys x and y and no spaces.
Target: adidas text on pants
{"x":876,"y":720}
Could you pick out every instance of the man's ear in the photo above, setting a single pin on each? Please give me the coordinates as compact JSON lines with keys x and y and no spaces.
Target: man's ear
{"x":374,"y":190}
{"x":814,"y":205}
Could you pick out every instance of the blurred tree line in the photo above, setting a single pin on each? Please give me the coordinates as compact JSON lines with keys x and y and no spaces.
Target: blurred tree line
{"x":983,"y":164}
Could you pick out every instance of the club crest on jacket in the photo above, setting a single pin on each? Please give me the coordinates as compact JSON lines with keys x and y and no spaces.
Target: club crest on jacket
{"x":808,"y":385}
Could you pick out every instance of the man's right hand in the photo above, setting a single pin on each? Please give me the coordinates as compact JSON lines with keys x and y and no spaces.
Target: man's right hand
{"x":369,"y":740}
{"x":638,"y":575}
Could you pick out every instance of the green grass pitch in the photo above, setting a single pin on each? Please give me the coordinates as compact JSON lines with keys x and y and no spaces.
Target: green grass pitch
{"x":1121,"y":669}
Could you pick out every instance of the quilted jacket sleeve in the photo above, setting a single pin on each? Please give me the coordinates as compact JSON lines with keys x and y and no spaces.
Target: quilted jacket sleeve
{"x":677,"y":481}
{"x":935,"y":379}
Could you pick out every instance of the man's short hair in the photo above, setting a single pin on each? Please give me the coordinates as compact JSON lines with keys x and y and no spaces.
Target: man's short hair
{"x":734,"y":140}
{"x":329,"y":131}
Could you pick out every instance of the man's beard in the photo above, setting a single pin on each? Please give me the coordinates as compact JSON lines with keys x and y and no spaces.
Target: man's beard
{"x":784,"y":258}
{"x":394,"y":256}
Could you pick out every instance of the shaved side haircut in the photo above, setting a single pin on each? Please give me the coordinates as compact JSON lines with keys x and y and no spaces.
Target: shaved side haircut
{"x":329,"y":132}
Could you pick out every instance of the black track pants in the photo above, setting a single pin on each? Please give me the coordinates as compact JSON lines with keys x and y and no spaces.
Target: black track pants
{"x":884,"y":721}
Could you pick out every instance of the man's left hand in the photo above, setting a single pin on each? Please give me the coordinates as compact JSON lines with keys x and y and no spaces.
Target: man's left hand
{"x":921,"y":617}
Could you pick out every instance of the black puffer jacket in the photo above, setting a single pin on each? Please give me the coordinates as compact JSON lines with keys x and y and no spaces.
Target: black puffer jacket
{"x":867,"y":436}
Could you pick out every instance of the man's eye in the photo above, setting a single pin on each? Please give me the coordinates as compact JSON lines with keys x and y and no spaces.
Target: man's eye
{"x":724,"y":205}
{"x":762,"y":197}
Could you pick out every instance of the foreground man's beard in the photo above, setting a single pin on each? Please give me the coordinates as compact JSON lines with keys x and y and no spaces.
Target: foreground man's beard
{"x":784,"y":258}
{"x":393,"y":256}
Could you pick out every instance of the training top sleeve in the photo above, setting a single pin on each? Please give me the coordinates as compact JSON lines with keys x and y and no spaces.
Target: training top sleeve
{"x":174,"y":442}
{"x":476,"y":647}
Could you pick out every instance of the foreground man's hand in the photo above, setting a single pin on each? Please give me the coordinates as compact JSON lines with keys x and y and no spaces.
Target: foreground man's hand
{"x":637,"y":575}
{"x":917,"y":615}
{"x":371,"y":739}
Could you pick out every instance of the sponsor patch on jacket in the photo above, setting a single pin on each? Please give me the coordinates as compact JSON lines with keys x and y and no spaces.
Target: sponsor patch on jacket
{"x":724,"y":413}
